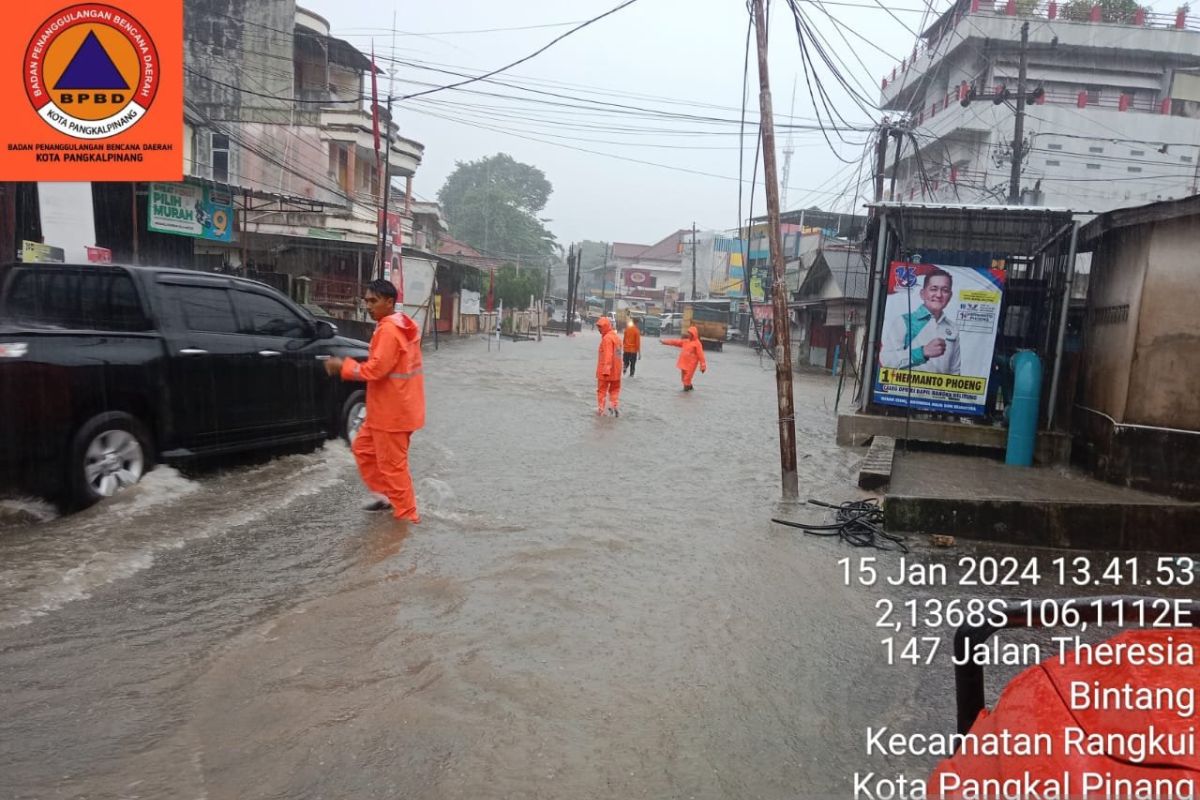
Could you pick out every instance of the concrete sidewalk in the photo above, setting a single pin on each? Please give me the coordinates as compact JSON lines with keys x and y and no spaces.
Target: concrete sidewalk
{"x":982,"y":498}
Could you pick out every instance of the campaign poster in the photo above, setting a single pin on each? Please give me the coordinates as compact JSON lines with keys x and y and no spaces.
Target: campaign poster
{"x":939,"y":332}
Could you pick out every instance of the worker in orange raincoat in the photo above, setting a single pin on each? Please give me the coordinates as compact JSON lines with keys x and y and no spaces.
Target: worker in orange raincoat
{"x":691,"y":357}
{"x":395,"y":402}
{"x":633,"y":347}
{"x":608,"y":368}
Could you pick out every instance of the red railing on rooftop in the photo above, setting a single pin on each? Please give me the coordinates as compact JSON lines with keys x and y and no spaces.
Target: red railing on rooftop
{"x":1044,"y":9}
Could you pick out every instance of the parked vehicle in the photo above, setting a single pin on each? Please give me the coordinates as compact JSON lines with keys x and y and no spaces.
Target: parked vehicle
{"x":670,"y":322}
{"x":711,"y":320}
{"x":649,"y":326}
{"x":106,"y":370}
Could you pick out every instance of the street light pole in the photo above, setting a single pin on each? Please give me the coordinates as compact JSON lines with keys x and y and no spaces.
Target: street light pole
{"x":783,"y":334}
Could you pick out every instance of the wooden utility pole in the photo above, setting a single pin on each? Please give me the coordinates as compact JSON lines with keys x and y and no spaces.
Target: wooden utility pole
{"x":783,"y":331}
{"x":1018,"y":145}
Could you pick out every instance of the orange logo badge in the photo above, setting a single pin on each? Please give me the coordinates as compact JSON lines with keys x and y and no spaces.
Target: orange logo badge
{"x":104,"y":81}
{"x":92,"y":72}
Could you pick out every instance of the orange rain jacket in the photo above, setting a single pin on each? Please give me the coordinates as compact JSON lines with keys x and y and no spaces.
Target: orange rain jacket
{"x":633,"y":339}
{"x":393,"y":374}
{"x":693,"y":352}
{"x":608,"y":361}
{"x":1035,"y":702}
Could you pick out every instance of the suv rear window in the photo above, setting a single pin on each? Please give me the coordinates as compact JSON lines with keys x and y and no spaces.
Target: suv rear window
{"x":97,"y":300}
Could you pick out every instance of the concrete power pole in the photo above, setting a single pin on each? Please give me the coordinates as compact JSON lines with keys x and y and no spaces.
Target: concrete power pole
{"x":1014,"y":181}
{"x":783,"y":333}
{"x":695,"y":296}
{"x":571,"y":290}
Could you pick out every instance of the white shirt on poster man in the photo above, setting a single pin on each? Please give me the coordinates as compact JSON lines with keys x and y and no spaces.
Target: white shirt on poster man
{"x":925,"y":340}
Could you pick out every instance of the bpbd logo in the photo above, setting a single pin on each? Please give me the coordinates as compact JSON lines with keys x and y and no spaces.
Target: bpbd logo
{"x":91,"y":71}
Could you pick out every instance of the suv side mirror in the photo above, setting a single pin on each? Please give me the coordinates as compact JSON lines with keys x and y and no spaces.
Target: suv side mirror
{"x":326,"y":330}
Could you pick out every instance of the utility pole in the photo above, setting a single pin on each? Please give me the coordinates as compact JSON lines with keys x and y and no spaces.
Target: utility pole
{"x":604,"y":293}
{"x":896,"y":134}
{"x":783,"y":334}
{"x":881,"y":161}
{"x":137,"y":259}
{"x":387,"y":183}
{"x":694,"y":297}
{"x":1014,"y":181}
{"x":571,"y":290}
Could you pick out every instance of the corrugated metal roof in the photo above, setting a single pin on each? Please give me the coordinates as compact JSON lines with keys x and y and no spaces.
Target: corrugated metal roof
{"x":849,"y":271}
{"x":1014,"y":230}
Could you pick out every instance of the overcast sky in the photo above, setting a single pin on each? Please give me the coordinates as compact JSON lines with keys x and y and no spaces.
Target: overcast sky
{"x":655,"y":54}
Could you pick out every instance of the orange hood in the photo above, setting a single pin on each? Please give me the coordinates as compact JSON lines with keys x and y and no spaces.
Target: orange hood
{"x":408,"y":328}
{"x":603,"y":325}
{"x":693,"y":333}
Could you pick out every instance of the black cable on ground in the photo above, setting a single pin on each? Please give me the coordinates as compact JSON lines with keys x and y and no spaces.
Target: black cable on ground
{"x":859,"y":523}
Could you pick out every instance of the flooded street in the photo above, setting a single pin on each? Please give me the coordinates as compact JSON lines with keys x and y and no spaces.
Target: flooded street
{"x":592,"y":608}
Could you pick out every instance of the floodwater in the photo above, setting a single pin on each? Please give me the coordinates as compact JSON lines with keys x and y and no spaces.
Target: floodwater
{"x":592,"y":608}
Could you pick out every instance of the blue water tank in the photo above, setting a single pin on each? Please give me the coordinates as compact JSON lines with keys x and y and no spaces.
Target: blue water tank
{"x":1023,"y":414}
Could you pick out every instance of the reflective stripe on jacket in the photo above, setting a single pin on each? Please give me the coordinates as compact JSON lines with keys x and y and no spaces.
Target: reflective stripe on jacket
{"x":394,"y":375}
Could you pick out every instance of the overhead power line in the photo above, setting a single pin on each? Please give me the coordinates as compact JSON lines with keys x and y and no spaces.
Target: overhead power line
{"x":522,"y":60}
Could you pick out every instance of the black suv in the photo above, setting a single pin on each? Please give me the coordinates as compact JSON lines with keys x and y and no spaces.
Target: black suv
{"x":105,"y":370}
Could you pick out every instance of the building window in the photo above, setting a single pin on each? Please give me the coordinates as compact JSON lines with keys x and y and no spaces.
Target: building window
{"x":1055,"y":147}
{"x":1135,"y":169}
{"x":1093,"y":166}
{"x":1137,"y":152}
{"x":1093,"y":95}
{"x":1095,"y":149}
{"x":220,"y":158}
{"x":1053,"y":163}
{"x":1186,"y":159}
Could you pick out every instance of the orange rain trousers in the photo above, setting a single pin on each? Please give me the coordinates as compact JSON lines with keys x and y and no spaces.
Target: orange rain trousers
{"x":688,"y":374}
{"x":610,"y":388}
{"x":382,"y":458}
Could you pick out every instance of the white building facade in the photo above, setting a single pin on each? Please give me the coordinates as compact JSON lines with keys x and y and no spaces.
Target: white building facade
{"x":1117,"y":122}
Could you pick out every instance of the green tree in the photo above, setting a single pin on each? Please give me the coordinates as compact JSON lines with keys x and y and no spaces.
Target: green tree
{"x":515,"y":286}
{"x":492,"y":204}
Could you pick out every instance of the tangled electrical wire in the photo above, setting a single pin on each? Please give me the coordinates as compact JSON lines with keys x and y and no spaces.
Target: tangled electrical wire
{"x":859,"y":523}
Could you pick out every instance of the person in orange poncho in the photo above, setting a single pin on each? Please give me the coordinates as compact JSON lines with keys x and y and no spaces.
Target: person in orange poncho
{"x":691,"y":357}
{"x":608,"y":368}
{"x":395,"y":382}
{"x":633,"y":347}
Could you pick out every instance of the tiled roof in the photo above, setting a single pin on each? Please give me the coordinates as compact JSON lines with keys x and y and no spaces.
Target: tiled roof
{"x":627,"y":250}
{"x":667,"y":249}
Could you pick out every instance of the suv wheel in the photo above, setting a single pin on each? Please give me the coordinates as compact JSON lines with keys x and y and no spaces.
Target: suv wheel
{"x":354,"y":414}
{"x":108,"y":455}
